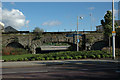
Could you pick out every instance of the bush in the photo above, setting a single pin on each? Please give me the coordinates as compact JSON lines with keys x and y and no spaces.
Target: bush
{"x":93,"y":56}
{"x":76,"y":57}
{"x":62,"y":58}
{"x":33,"y":59}
{"x":80,"y":57}
{"x":47,"y":58}
{"x":70,"y":57}
{"x":61,"y":55}
{"x":99,"y":56}
{"x":84,"y":57}
{"x":52,"y":58}
{"x":57,"y":58}
{"x":107,"y":56}
{"x":13,"y":51}
{"x":43,"y":58}
{"x":103,"y":56}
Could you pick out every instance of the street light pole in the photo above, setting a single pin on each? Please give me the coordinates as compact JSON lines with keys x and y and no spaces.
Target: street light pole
{"x":77,"y":35}
{"x":113,"y":30}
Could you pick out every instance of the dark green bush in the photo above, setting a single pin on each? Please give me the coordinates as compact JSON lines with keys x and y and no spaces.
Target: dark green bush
{"x":84,"y":57}
{"x":47,"y":58}
{"x":76,"y":57}
{"x":99,"y":56}
{"x":57,"y":58}
{"x":62,"y":58}
{"x":42,"y":58}
{"x":93,"y":56}
{"x":80,"y":57}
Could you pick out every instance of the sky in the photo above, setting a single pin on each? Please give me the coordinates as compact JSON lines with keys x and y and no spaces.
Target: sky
{"x":55,"y":16}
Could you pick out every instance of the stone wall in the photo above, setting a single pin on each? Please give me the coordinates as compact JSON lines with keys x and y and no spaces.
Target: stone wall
{"x":88,"y":41}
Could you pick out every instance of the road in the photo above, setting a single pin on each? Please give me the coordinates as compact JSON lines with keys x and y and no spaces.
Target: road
{"x":70,"y":70}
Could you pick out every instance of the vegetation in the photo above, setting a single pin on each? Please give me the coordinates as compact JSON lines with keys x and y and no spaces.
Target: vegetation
{"x":37,"y":29}
{"x":38,"y":32}
{"x":59,"y":56}
{"x":13,"y":51}
{"x":107,"y":25}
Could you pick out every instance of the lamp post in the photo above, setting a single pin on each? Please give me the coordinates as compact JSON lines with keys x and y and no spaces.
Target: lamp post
{"x":113,"y":30}
{"x":78,"y":33}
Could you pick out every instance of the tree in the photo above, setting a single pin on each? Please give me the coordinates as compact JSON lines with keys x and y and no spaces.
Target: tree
{"x":107,"y":26}
{"x":38,"y":32}
{"x":37,"y":29}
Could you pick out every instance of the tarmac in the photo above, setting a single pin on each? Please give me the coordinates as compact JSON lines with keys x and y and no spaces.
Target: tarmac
{"x":54,"y":62}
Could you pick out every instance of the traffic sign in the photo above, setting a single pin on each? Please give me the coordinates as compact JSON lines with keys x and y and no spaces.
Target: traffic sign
{"x":113,"y":31}
{"x":78,"y":40}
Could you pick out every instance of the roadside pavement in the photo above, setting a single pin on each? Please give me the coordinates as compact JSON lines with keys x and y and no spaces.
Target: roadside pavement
{"x":54,"y":62}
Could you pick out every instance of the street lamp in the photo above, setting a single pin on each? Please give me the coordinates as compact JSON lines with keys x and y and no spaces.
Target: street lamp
{"x":78,"y":33}
{"x":113,"y":30}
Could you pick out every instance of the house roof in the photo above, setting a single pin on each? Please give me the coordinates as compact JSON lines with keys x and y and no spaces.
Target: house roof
{"x":10,"y":29}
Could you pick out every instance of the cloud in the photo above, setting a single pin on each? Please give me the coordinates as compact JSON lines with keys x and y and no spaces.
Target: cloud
{"x":14,"y":18}
{"x":52,"y":23}
{"x":27,"y":22}
{"x":91,"y":8}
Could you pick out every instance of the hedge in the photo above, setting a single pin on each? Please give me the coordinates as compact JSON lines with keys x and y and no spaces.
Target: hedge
{"x":63,"y":55}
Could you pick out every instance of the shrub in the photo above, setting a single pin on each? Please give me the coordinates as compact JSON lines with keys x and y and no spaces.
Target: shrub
{"x":103,"y":56}
{"x":57,"y":58}
{"x":47,"y":58}
{"x":80,"y":57}
{"x":76,"y":57}
{"x":62,"y":58}
{"x":13,"y":51}
{"x":93,"y":56}
{"x":43,"y":58}
{"x":99,"y":56}
{"x":52,"y":58}
{"x":84,"y":57}
{"x":33,"y":59}
{"x":26,"y":59}
{"x":70,"y":57}
{"x":107,"y":56}
{"x":110,"y":56}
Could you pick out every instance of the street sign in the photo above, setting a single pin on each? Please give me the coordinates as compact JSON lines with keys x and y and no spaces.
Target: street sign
{"x":113,"y":33}
{"x":78,"y":40}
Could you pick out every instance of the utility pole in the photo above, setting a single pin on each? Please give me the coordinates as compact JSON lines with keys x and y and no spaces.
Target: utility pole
{"x":77,"y":35}
{"x":91,"y":20}
{"x":113,"y":30}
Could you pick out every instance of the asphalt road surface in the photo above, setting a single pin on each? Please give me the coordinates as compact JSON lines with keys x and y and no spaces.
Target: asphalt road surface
{"x":76,"y":70}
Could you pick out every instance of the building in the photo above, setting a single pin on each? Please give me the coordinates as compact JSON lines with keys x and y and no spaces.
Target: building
{"x":118,"y":22}
{"x":99,"y":28}
{"x":10,"y":29}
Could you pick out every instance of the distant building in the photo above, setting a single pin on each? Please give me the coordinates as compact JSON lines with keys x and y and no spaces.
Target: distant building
{"x":99,"y":28}
{"x":118,"y":22}
{"x":10,"y":29}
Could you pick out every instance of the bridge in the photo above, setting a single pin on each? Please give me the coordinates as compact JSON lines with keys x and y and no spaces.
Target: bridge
{"x":28,"y":40}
